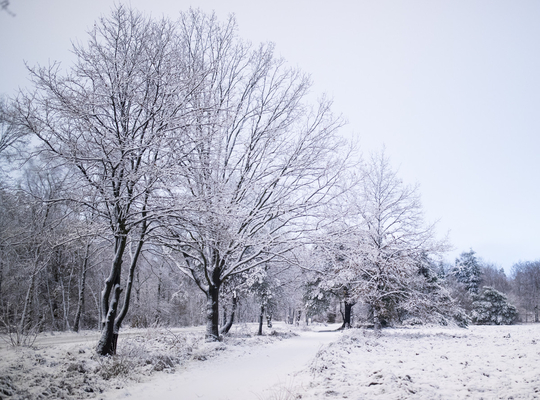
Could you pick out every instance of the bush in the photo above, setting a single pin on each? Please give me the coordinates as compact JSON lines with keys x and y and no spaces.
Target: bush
{"x":491,"y":307}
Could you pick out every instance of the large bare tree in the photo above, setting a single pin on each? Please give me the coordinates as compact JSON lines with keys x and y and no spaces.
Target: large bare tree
{"x":112,"y":119}
{"x":264,"y":161}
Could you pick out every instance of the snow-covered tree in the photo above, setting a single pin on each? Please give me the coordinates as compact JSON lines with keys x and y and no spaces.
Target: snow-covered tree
{"x":433,"y":301}
{"x":491,"y":307}
{"x":395,"y":239}
{"x":334,"y":271}
{"x":113,"y":120}
{"x":10,"y":132}
{"x":373,"y":256}
{"x":467,"y":270}
{"x":264,"y":160}
{"x":526,"y":287}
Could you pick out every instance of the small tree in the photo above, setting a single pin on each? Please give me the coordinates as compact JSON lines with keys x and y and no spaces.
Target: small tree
{"x":393,"y":241}
{"x":373,"y":254}
{"x":333,"y":275}
{"x":467,"y":270}
{"x":433,"y":302}
{"x":491,"y":307}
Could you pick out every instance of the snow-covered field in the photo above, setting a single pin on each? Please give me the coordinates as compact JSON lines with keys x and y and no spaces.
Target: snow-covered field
{"x":482,"y":362}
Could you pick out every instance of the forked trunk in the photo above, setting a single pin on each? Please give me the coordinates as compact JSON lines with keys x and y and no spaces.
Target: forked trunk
{"x":129,"y":285}
{"x":107,"y":343}
{"x":109,"y":307}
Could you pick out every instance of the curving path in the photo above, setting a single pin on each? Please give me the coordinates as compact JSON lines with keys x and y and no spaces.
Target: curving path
{"x":258,"y":373}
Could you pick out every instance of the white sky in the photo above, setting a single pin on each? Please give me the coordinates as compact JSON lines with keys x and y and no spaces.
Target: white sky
{"x":450,"y":87}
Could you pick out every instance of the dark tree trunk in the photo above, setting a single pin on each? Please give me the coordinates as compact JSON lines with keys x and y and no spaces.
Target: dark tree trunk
{"x":157,"y":316}
{"x":291,"y":315}
{"x":346,"y":315}
{"x":261,"y":318}
{"x":212,"y":314}
{"x":107,"y":343}
{"x":109,"y":307}
{"x":129,"y":284}
{"x":227,"y":326}
{"x":376,"y":320}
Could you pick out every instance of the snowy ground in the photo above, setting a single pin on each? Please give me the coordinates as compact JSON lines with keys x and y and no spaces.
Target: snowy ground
{"x":64,"y":365}
{"x":251,"y":371}
{"x":482,"y":362}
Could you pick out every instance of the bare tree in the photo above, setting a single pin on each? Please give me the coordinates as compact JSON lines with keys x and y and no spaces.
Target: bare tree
{"x":112,"y":120}
{"x":495,"y":277}
{"x":396,"y":239}
{"x":377,"y":253}
{"x":264,"y":160}
{"x":34,"y":242}
{"x":11,"y":135}
{"x":526,"y":285}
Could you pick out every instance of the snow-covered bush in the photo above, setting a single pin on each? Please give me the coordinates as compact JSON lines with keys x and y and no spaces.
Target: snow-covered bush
{"x":491,"y":307}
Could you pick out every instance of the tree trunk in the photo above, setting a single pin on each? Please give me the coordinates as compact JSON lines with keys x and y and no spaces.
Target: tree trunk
{"x":261,"y":318}
{"x":346,"y":315}
{"x":106,"y":344}
{"x":227,"y":326}
{"x":212,"y":314}
{"x":376,"y":320}
{"x":65,"y":302}
{"x":52,"y":304}
{"x":25,"y":322}
{"x":157,"y":316}
{"x":82,"y":286}
{"x":129,"y":284}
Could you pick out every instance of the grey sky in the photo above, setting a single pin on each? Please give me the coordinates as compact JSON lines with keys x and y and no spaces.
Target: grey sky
{"x":451,"y":88}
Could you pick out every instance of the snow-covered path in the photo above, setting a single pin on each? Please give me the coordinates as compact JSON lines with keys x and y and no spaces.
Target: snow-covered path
{"x":250,"y":373}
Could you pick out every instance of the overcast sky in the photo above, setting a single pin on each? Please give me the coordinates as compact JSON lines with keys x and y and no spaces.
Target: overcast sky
{"x":451,"y":88}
